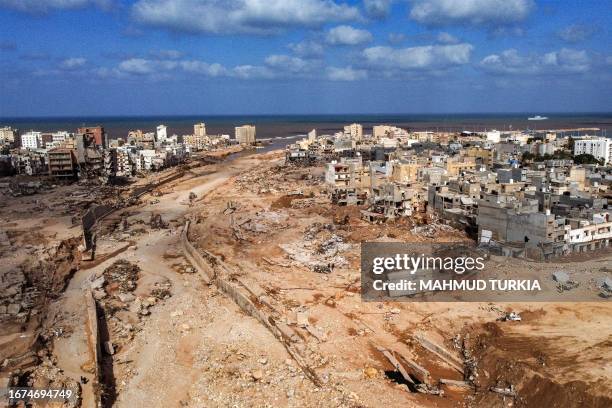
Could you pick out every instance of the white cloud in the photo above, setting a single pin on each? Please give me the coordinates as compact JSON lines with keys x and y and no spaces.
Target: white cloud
{"x":307,"y":48}
{"x":446,"y":38}
{"x":43,"y":6}
{"x":473,"y":12}
{"x":204,"y":68}
{"x":252,"y":72}
{"x":575,"y":33}
{"x":138,"y":66}
{"x":240,"y":16}
{"x":73,"y":63}
{"x":563,"y":61}
{"x":276,"y":66}
{"x":346,"y":74}
{"x":347,"y":35}
{"x":377,"y":8}
{"x":414,"y":58}
{"x":286,"y":63}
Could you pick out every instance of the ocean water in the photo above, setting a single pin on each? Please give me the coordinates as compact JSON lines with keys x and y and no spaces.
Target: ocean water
{"x":280,"y":126}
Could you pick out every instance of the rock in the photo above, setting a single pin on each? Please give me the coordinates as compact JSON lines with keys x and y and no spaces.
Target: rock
{"x":302,"y":318}
{"x":109,"y":348}
{"x":257,"y":375}
{"x":98,"y":283}
{"x":370,"y":372}
{"x":99,"y":294}
{"x":176,"y":313}
{"x":605,"y":283}
{"x":290,"y":393}
{"x":561,"y":277}
{"x":263,"y":361}
{"x":126,"y":297}
{"x":395,"y":310}
{"x":13,"y":308}
{"x":185,"y":327}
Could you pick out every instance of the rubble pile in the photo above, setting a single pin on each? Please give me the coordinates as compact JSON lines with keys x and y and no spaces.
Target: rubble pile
{"x":430,"y":230}
{"x":114,"y":291}
{"x":279,"y":178}
{"x":27,"y":188}
{"x":24,"y":288}
{"x":319,"y":254}
{"x":156,"y":221}
{"x":16,"y":298}
{"x":265,"y":221}
{"x":48,"y":376}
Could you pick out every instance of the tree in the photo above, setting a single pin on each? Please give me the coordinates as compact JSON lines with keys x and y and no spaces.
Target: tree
{"x":586,"y":158}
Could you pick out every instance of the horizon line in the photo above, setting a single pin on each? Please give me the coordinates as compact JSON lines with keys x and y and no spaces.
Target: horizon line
{"x":190,"y":115}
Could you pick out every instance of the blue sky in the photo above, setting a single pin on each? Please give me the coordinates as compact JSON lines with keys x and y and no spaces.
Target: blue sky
{"x":148,"y":57}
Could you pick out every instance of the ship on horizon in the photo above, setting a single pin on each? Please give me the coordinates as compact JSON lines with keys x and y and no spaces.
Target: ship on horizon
{"x":538,"y":117}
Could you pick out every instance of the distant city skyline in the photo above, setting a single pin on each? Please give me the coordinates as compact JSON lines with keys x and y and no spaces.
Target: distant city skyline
{"x":206,"y":57}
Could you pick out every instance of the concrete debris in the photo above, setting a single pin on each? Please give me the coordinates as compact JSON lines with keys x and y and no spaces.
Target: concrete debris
{"x":507,"y":391}
{"x":4,"y":240}
{"x":560,"y":277}
{"x":512,"y":317}
{"x":321,"y":257}
{"x":264,"y":222}
{"x":257,"y":375}
{"x":456,"y":383}
{"x":48,"y":376}
{"x":126,"y":297}
{"x":98,"y":283}
{"x":430,"y":230}
{"x":156,"y":221}
{"x":19,"y":189}
{"x":563,"y":281}
{"x":302,"y":318}
{"x":604,"y":283}
{"x":370,"y":372}
{"x":109,"y":348}
{"x":121,"y":275}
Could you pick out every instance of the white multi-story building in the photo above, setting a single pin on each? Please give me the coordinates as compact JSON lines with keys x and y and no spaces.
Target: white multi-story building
{"x":31,"y":140}
{"x":598,"y":147}
{"x":162,"y":133}
{"x":7,"y":134}
{"x":354,"y":131}
{"x":493,"y":136}
{"x":245,"y":134}
{"x":199,"y":129}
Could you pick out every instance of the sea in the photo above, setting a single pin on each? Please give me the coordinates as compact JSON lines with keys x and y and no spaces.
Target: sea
{"x":282,"y":127}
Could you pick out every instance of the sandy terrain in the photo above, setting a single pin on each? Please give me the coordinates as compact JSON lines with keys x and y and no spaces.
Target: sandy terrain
{"x":269,"y":224}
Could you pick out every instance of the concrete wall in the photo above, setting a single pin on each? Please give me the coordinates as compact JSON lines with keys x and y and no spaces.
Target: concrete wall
{"x":93,"y":340}
{"x":211,"y":269}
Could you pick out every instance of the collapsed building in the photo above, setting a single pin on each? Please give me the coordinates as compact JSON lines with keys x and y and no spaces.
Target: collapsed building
{"x":475,"y":182}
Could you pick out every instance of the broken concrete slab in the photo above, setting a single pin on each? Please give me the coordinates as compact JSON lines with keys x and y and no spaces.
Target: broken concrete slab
{"x":561,"y":277}
{"x":449,"y":358}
